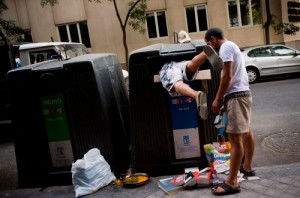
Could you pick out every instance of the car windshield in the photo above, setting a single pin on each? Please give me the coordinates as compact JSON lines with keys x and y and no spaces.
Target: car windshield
{"x":72,"y":50}
{"x":260,"y":52}
{"x":283,"y":51}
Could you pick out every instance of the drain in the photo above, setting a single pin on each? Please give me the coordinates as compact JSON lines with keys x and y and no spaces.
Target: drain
{"x":287,"y":143}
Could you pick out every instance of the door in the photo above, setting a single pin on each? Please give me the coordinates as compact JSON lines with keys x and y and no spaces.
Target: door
{"x":263,"y":58}
{"x":287,"y":59}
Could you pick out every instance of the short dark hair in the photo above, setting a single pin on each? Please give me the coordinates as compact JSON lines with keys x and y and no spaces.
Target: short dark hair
{"x":216,"y":32}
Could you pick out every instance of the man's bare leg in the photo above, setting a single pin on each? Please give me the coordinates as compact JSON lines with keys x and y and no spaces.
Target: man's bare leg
{"x":185,"y":89}
{"x":199,"y":96}
{"x":249,"y":145}
{"x":236,"y":155}
{"x":196,"y":62}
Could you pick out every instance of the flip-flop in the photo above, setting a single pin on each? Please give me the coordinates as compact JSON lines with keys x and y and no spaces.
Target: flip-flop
{"x":213,"y":58}
{"x":202,"y":105}
{"x":227,"y":189}
{"x":246,"y":173}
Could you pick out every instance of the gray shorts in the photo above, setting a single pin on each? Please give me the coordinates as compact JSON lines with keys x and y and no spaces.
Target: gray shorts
{"x":172,"y":72}
{"x":238,"y":112}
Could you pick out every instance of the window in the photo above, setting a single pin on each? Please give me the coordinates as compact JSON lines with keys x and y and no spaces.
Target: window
{"x":244,"y":12}
{"x":196,"y":18}
{"x":283,"y":51}
{"x":293,"y":11}
{"x":260,"y":52}
{"x":76,"y":32}
{"x":157,"y":24}
{"x":41,"y":55}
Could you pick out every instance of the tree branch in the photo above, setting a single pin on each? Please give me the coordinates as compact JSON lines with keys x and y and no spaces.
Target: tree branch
{"x":129,"y":11}
{"x":118,"y":15}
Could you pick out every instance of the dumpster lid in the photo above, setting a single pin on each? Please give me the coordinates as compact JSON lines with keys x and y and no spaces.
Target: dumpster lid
{"x":178,"y":47}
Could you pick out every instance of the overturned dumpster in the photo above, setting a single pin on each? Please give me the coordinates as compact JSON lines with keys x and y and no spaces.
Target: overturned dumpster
{"x":61,"y":110}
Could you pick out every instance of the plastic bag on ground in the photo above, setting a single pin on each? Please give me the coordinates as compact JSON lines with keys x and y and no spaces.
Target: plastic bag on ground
{"x":91,"y":173}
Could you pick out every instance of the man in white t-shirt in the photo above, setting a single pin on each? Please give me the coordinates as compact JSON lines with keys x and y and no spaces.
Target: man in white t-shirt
{"x":234,"y":95}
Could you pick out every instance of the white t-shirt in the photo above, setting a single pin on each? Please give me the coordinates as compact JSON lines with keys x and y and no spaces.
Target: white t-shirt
{"x":229,"y":51}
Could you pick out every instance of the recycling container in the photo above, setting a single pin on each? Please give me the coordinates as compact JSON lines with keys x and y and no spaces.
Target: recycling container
{"x":167,"y":133}
{"x":7,"y":63}
{"x":61,"y":110}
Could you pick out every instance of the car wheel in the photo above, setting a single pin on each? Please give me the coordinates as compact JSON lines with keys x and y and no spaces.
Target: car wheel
{"x":253,"y":75}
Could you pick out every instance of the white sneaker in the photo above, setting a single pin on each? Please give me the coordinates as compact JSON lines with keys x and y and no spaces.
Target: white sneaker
{"x":202,"y":105}
{"x":213,"y":58}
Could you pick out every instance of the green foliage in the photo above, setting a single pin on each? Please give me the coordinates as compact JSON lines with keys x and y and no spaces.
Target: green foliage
{"x":11,"y":30}
{"x":137,"y":13}
{"x":2,"y":6}
{"x":135,"y":17}
{"x":49,"y":2}
{"x":53,"y":2}
{"x":138,"y":16}
{"x":285,"y":28}
{"x":256,"y":15}
{"x":8,"y":27}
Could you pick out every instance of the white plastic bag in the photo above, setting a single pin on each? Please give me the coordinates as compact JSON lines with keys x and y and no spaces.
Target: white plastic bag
{"x":91,"y":173}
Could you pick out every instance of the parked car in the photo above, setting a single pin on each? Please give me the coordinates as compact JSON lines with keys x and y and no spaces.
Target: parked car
{"x":270,"y":60}
{"x":38,"y":52}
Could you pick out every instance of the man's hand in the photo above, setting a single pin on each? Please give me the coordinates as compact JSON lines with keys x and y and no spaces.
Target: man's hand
{"x":216,"y":106}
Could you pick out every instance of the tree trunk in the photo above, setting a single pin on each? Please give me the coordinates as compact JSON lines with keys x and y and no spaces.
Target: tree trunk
{"x":123,"y":27}
{"x":125,"y":47}
{"x":268,"y":22}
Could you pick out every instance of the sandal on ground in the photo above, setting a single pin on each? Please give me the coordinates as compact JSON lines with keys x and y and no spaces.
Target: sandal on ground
{"x":246,"y":173}
{"x":227,"y":189}
{"x":202,"y":105}
{"x":213,"y":58}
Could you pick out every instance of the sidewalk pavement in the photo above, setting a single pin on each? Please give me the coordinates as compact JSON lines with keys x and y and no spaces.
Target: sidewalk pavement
{"x":275,"y":181}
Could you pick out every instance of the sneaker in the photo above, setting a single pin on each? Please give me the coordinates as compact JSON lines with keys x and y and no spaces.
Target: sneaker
{"x":213,"y":58}
{"x":202,"y":105}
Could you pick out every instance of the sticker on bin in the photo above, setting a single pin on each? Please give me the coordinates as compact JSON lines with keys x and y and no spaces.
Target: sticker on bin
{"x":185,"y":127}
{"x":55,"y":120}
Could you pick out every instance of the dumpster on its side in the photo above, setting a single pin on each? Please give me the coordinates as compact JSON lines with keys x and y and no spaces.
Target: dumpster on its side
{"x":61,"y":110}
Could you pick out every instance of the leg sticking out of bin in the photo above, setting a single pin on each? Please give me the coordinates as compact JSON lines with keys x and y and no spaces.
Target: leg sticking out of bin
{"x":173,"y":75}
{"x":178,"y":78}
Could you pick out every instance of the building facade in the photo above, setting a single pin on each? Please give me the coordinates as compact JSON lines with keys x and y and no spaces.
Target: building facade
{"x":96,"y":24}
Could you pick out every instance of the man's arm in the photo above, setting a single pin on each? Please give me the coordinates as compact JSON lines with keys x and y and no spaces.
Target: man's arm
{"x":226,"y":77}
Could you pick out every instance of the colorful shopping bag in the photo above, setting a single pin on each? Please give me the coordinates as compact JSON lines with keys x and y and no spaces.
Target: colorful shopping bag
{"x":218,"y":153}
